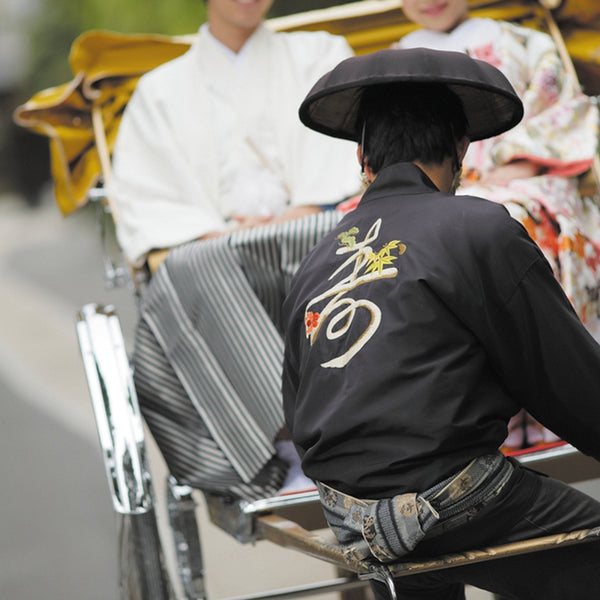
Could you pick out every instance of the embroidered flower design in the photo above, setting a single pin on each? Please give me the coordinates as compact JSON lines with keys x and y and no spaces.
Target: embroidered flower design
{"x":348,"y":238}
{"x":376,"y":261}
{"x":311,"y":322}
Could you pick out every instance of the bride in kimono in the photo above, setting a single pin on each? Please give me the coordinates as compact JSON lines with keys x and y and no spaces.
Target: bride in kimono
{"x":533,"y":168}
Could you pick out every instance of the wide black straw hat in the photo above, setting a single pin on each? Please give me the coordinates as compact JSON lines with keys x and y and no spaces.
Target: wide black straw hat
{"x":489,"y":101}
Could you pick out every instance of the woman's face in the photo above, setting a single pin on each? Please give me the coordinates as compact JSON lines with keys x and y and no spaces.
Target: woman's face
{"x":437,"y":15}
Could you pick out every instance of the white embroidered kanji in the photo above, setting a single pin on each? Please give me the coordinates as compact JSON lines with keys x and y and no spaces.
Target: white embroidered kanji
{"x":362,"y":266}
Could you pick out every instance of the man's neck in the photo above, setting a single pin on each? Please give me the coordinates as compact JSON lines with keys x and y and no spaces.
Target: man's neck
{"x":232,"y":37}
{"x":442,"y":175}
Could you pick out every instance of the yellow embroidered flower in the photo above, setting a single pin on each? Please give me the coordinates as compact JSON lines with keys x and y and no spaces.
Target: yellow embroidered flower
{"x":377,"y":261}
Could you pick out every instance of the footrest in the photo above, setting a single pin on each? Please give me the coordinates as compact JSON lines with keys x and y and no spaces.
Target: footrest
{"x":447,"y":561}
{"x":290,"y":535}
{"x":238,"y":517}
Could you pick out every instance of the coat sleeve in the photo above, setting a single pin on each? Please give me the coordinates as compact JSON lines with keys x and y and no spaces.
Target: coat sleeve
{"x":543,"y":355}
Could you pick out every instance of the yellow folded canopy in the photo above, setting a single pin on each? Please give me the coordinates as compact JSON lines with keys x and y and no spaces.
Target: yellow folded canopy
{"x":81,"y":117}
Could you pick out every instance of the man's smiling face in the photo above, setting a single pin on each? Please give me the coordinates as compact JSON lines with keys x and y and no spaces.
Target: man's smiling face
{"x":243,"y":14}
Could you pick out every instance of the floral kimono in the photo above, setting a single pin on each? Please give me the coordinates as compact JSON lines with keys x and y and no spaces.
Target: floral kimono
{"x":559,"y":132}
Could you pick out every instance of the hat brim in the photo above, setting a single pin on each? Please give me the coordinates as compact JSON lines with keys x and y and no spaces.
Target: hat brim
{"x":490,"y":103}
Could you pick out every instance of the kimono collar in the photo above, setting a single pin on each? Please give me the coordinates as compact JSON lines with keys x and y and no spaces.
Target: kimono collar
{"x":207,"y":37}
{"x":473,"y":33}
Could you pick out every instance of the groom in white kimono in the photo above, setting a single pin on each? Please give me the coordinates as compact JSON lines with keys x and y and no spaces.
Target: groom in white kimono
{"x":211,"y":148}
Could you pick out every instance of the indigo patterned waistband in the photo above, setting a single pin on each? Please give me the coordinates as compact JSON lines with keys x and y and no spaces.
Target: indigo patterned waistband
{"x":390,"y":528}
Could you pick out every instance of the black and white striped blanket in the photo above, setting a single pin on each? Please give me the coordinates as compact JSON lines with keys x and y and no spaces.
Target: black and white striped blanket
{"x":208,"y":354}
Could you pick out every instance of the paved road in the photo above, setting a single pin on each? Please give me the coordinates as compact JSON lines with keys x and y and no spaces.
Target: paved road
{"x":57,"y":530}
{"x":58,"y":533}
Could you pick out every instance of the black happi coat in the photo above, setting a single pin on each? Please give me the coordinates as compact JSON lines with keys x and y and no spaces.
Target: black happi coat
{"x":416,"y":329}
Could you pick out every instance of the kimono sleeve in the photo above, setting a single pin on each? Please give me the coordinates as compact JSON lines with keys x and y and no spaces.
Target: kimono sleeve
{"x":560,"y":127}
{"x":160,"y":202}
{"x":321,"y":170}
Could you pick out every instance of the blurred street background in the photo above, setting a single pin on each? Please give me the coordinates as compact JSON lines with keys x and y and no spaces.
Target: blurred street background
{"x":57,"y":529}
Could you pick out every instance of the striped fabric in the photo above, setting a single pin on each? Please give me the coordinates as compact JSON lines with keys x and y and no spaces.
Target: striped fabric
{"x":208,"y":353}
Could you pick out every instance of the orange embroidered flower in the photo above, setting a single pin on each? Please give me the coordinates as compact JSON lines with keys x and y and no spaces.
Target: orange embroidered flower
{"x":311,"y":321}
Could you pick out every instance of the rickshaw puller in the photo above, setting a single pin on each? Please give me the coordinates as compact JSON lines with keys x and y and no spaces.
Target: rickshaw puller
{"x":419,"y":326}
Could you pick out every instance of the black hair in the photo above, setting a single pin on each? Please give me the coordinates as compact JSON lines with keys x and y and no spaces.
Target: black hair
{"x":410,"y":122}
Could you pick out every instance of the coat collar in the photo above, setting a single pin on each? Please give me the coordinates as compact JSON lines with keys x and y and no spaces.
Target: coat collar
{"x":403,"y":178}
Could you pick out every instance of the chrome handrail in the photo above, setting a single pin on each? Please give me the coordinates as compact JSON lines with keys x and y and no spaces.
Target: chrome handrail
{"x":118,"y":417}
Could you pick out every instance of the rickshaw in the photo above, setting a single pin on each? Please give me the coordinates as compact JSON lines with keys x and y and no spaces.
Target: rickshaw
{"x":81,"y":119}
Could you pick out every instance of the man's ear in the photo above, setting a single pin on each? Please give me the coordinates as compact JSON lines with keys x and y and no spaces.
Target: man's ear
{"x":461,"y":148}
{"x":359,"y":155}
{"x":367,"y":174}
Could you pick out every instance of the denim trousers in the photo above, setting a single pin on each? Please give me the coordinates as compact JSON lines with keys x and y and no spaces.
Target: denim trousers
{"x":528,"y":505}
